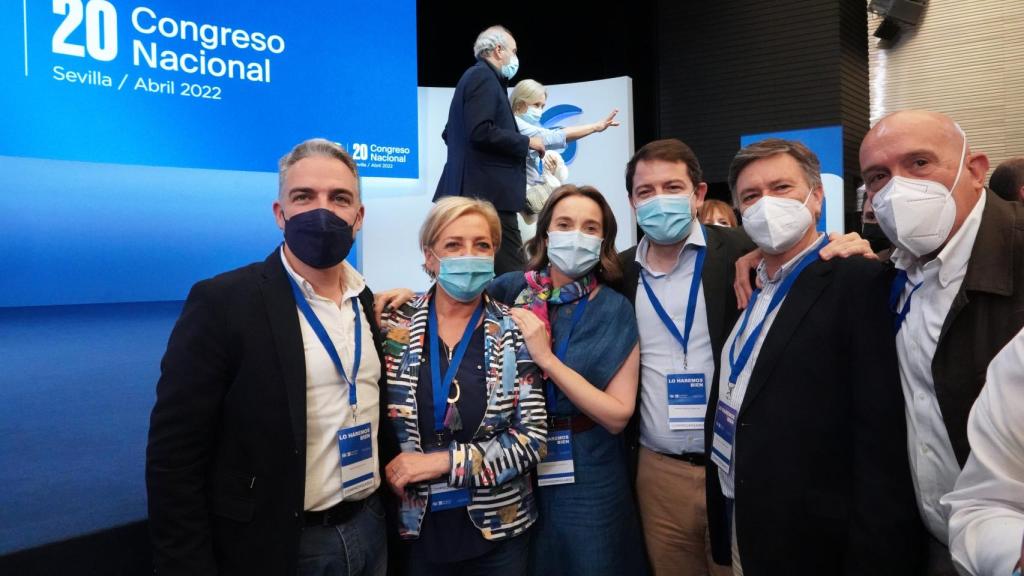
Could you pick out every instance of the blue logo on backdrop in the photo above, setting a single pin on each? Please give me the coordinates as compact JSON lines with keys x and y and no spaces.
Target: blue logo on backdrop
{"x":553,"y":117}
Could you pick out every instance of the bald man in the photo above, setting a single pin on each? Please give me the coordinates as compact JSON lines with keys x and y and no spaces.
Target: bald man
{"x":958,"y":295}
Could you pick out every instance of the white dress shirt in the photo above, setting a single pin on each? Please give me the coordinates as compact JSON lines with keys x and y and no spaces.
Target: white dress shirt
{"x":661,"y":354}
{"x":932,"y":460}
{"x":769,"y":286}
{"x":986,"y":523}
{"x":327,"y":405}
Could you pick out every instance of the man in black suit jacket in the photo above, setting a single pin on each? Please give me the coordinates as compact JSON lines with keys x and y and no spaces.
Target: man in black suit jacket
{"x":486,"y":152}
{"x":242,"y":466}
{"x":808,"y":429}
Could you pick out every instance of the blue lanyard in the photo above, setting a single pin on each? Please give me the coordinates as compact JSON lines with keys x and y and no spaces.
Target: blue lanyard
{"x":442,"y":387}
{"x":736,"y":365}
{"x":563,"y":347}
{"x":691,"y":305}
{"x":325,"y":339}
{"x":898,"y":284}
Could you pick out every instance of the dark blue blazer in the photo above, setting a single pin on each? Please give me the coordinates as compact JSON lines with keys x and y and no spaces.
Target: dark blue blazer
{"x":486,"y":152}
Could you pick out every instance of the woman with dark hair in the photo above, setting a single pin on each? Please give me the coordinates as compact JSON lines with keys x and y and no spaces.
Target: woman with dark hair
{"x":583,"y":336}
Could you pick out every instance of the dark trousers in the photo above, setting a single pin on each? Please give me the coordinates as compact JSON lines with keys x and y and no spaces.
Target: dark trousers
{"x":510,"y":256}
{"x":508,"y":559}
{"x":356,"y":548}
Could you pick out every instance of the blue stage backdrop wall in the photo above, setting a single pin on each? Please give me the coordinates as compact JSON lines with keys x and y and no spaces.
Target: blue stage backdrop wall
{"x":139,"y":142}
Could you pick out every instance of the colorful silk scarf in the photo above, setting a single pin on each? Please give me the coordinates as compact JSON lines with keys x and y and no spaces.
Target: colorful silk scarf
{"x":540,"y":291}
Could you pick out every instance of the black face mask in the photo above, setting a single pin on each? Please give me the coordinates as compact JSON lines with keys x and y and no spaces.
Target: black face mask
{"x":875,"y":237}
{"x":318,"y":237}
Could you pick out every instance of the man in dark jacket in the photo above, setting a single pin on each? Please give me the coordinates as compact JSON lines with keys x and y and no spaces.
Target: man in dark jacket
{"x":959,"y":290}
{"x":807,"y":471}
{"x":265,"y":442}
{"x":678,"y":277}
{"x":486,"y":152}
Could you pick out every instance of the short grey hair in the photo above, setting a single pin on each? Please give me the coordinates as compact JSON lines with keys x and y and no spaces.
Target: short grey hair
{"x":314,"y":147}
{"x":490,"y":39}
{"x":769,"y":147}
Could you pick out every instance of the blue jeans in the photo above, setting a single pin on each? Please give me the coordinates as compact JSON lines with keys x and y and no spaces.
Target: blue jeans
{"x":508,"y":559}
{"x":355,"y":548}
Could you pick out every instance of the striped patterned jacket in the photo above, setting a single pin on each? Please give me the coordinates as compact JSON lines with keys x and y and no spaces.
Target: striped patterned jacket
{"x":511,"y":438}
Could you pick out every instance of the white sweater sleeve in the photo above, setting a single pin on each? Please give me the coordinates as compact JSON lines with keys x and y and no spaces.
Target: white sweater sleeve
{"x":986,"y":523}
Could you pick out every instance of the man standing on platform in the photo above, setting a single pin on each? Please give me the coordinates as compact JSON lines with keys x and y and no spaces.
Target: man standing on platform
{"x":486,"y":152}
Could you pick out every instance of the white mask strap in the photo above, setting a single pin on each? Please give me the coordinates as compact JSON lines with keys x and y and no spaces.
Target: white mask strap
{"x":960,"y":168}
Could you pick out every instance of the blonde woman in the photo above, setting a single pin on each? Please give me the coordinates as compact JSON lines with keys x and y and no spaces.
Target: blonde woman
{"x":528,"y":100}
{"x":467,"y":404}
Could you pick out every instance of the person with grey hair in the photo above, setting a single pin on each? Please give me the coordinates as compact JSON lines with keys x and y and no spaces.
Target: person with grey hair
{"x":1007,"y":180}
{"x":809,"y":473}
{"x":486,"y":152}
{"x":265,"y":443}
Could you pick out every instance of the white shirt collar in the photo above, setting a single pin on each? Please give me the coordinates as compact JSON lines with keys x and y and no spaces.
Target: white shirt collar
{"x":354,"y":281}
{"x":694,"y":238}
{"x":954,"y":256}
{"x":785,"y":269}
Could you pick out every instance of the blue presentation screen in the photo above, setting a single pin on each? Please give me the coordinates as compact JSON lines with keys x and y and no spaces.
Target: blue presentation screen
{"x":139,"y":142}
{"x":218,"y":85}
{"x":140,"y":138}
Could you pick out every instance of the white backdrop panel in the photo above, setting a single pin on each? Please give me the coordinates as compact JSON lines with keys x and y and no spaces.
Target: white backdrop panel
{"x":396,"y":208}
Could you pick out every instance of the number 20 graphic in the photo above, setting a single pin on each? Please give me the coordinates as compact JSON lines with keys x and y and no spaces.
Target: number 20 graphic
{"x":100,"y":29}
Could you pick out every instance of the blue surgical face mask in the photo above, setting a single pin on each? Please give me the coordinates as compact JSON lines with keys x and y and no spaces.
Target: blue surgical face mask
{"x":465,"y":277}
{"x":319,"y":237}
{"x":533,"y":115}
{"x":509,"y":70}
{"x":665,"y":219}
{"x":574,"y":253}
